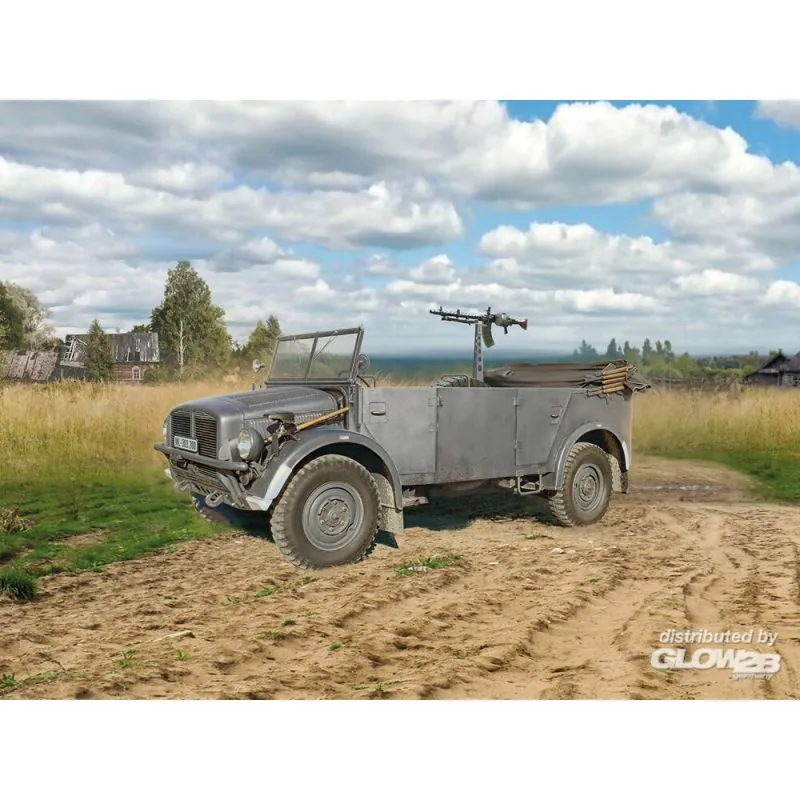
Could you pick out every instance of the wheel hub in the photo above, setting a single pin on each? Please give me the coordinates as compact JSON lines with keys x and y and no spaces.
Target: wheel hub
{"x":332,"y":515}
{"x":588,"y":487}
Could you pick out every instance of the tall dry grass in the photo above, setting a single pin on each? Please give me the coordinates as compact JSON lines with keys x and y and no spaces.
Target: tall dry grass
{"x":78,"y":428}
{"x":748,"y":421}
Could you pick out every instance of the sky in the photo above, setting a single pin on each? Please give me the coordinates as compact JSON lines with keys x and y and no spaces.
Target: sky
{"x":632,"y":219}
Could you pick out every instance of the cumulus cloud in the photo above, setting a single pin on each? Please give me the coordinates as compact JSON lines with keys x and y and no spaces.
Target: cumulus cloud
{"x":379,"y":216}
{"x":585,"y":152}
{"x":783,"y":112}
{"x":97,"y":199}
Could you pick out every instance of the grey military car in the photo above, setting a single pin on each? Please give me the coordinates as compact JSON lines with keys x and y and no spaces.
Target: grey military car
{"x":322,"y":457}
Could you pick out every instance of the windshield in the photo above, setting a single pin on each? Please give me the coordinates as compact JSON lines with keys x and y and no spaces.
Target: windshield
{"x":314,"y":357}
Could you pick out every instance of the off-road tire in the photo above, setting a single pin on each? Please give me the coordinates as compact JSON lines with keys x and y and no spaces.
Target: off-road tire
{"x":231,"y":517}
{"x":288,"y":529}
{"x":592,"y":462}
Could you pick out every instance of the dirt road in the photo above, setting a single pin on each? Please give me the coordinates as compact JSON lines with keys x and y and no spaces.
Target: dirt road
{"x":512,"y":619}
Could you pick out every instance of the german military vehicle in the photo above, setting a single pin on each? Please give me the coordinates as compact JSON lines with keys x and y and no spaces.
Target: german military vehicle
{"x":324,"y":458}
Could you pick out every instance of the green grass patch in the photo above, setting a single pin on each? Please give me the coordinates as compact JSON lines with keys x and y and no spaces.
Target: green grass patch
{"x":9,"y":683}
{"x":18,"y":585}
{"x":85,"y":522}
{"x":429,"y":563}
{"x":777,"y":474}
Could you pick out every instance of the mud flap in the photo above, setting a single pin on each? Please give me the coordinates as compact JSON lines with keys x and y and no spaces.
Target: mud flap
{"x":386,"y":538}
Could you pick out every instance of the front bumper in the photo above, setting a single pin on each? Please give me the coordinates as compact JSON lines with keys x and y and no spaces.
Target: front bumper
{"x":175,"y":454}
{"x":209,"y":477}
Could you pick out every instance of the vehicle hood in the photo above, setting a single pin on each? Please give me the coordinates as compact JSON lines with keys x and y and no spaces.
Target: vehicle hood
{"x":300,"y":400}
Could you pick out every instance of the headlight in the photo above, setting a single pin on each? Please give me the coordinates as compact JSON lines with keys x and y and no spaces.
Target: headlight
{"x":249,"y":444}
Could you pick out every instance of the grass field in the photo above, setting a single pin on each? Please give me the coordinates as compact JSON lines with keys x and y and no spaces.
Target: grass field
{"x":81,"y":485}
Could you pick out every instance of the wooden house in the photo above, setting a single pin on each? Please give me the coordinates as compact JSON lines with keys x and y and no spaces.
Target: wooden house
{"x":134,"y":354}
{"x":781,"y":371}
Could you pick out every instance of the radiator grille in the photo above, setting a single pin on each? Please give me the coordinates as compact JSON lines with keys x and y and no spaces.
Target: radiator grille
{"x":198,"y":425}
{"x":181,"y":424}
{"x":205,"y":431}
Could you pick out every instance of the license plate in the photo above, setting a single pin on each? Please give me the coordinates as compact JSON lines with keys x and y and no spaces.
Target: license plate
{"x":184,"y":443}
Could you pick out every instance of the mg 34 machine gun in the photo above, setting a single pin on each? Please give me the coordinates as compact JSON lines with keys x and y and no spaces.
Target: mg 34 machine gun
{"x":483,"y":331}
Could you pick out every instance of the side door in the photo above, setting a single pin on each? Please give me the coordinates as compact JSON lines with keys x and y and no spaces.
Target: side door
{"x":540,"y":412}
{"x":477,"y":429}
{"x":403,"y":422}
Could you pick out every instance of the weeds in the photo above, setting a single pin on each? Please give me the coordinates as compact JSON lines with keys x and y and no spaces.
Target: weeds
{"x":9,"y":683}
{"x":11,"y":521}
{"x":18,"y":585}
{"x":129,"y":658}
{"x":180,"y":655}
{"x":428,"y":564}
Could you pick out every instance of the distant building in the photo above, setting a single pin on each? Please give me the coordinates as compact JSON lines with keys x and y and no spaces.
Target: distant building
{"x":34,"y":366}
{"x":134,"y":354}
{"x":781,"y":371}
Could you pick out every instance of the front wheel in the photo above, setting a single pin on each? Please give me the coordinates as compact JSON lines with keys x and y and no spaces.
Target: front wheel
{"x":585,"y":492}
{"x":328,"y":514}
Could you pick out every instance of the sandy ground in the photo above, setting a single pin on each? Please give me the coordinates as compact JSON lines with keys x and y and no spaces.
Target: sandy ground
{"x":513,"y":620}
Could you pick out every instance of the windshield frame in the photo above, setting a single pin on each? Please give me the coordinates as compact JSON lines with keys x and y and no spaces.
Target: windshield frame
{"x":316,"y":336}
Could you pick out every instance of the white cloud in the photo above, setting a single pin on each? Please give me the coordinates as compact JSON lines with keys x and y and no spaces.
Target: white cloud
{"x":256,"y":193}
{"x":783,"y":112}
{"x":381,"y":215}
{"x":439,"y":269}
{"x":585,"y":153}
{"x":184,"y":178}
{"x":783,"y":293}
{"x":716,"y":282}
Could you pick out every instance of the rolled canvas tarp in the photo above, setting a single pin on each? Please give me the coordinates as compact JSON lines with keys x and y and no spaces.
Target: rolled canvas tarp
{"x":599,"y":374}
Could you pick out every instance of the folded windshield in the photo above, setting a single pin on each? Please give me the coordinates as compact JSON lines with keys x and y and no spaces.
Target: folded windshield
{"x":314,"y":357}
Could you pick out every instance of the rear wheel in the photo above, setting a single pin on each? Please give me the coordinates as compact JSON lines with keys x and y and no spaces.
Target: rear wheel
{"x":585,"y":492}
{"x":328,"y":514}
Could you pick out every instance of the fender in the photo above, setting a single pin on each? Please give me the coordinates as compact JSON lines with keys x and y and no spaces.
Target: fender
{"x":264,"y":491}
{"x":582,"y":431}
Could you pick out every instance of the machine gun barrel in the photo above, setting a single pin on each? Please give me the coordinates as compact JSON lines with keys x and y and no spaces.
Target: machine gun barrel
{"x":503,"y":321}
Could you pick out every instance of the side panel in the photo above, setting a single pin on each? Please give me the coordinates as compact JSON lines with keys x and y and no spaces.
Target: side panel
{"x":403,"y":422}
{"x":539,"y":416}
{"x":477,"y":431}
{"x":587,"y":414}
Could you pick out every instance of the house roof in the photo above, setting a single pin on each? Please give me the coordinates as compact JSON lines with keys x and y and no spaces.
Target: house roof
{"x":31,"y":366}
{"x":138,"y":348}
{"x":778,"y":364}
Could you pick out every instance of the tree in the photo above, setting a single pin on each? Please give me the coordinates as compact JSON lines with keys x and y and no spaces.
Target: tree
{"x":647,"y":351}
{"x":187,"y":321}
{"x":39,"y":334}
{"x":140,"y":329}
{"x":630,"y":353}
{"x":100,"y":366}
{"x":12,"y":322}
{"x":612,"y":351}
{"x":586,"y":352}
{"x":262,"y":341}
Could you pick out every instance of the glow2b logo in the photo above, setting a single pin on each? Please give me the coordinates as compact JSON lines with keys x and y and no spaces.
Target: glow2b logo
{"x":743,"y":663}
